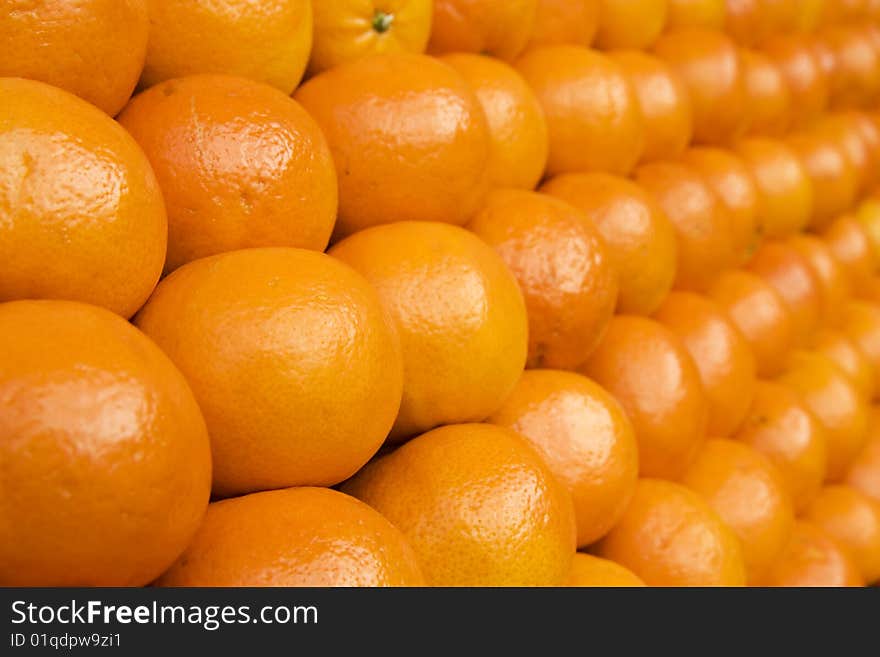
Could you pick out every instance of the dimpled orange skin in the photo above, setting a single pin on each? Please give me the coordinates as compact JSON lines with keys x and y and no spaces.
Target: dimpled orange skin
{"x":630,"y":23}
{"x":703,"y":225}
{"x":709,"y":64}
{"x":863,"y":473}
{"x":347,"y":30}
{"x":294,"y":363}
{"x":836,"y":402}
{"x":563,"y":268}
{"x":669,"y":536}
{"x":812,"y":558}
{"x":748,"y":493}
{"x":81,"y":213}
{"x":785,"y":190}
{"x":669,"y":409}
{"x":853,"y":520}
{"x":106,"y":463}
{"x":768,"y":98}
{"x":477,"y":504}
{"x":760,"y":314}
{"x":517,"y":127}
{"x":803,"y":71}
{"x":848,"y":357}
{"x":499,"y":29}
{"x":834,"y":180}
{"x":856,"y":77}
{"x":295,"y":537}
{"x":94,"y":49}
{"x":587,"y":570}
{"x":565,"y":21}
{"x":584,"y":437}
{"x":269,"y":42}
{"x":861,"y":322}
{"x":780,"y":427}
{"x":720,"y":352}
{"x":432,"y":166}
{"x":850,"y":244}
{"x":664,"y":101}
{"x":593,"y":115}
{"x":240,"y":165}
{"x":833,"y":280}
{"x":459,"y":313}
{"x":709,"y":14}
{"x":639,"y":235}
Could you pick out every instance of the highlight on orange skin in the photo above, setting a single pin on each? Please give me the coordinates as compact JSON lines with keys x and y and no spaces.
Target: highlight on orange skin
{"x":812,"y":558}
{"x":861,"y":322}
{"x":804,"y":73}
{"x":833,"y":281}
{"x":840,"y":348}
{"x":850,"y":244}
{"x":769,"y":103}
{"x":863,"y":473}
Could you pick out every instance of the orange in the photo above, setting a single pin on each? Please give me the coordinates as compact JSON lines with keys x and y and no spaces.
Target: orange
{"x":760,"y":314}
{"x":106,"y":464}
{"x":585,"y":439}
{"x":669,"y":408}
{"x":851,"y":245}
{"x":408,"y":136}
{"x":664,"y":101}
{"x":804,"y":73}
{"x":630,"y":23}
{"x":460,"y":315}
{"x":789,"y":273}
{"x":351,"y":29}
{"x":593,"y":114}
{"x":861,"y":322}
{"x":517,"y":128}
{"x":94,"y":49}
{"x":81,"y":214}
{"x":834,"y":180}
{"x":810,"y":15}
{"x":780,"y":427}
{"x":639,"y":236}
{"x":857,"y":137}
{"x":709,"y":64}
{"x":833,"y":282}
{"x":731,"y":179}
{"x":854,"y":521}
{"x":587,"y":570}
{"x":477,"y":504}
{"x":769,"y":103}
{"x":566,"y":21}
{"x":835,"y":401}
{"x":295,"y":537}
{"x":295,"y":366}
{"x":269,"y":42}
{"x":710,"y":14}
{"x":856,"y":78}
{"x":868,"y":215}
{"x":870,"y":291}
{"x":784,"y":188}
{"x":563,"y":268}
{"x":669,"y":536}
{"x":747,"y":21}
{"x":812,"y":558}
{"x":722,"y":356}
{"x":782,"y":15}
{"x":500,"y":29}
{"x":837,"y":346}
{"x":703,"y":225}
{"x":240,"y":165}
{"x":863,"y":473}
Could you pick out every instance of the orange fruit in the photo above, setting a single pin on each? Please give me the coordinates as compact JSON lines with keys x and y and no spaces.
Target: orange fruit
{"x":669,"y":409}
{"x":782,"y":15}
{"x":94,"y":49}
{"x":870,"y":291}
{"x":804,"y":73}
{"x":854,"y":521}
{"x":769,"y":103}
{"x":593,"y":114}
{"x":460,"y":315}
{"x":500,"y":29}
{"x":566,"y":21}
{"x":291,"y":358}
{"x":703,"y":226}
{"x":861,"y":322}
{"x":760,"y":314}
{"x":430,"y":166}
{"x":295,"y":537}
{"x":863,"y":473}
{"x":269,"y":43}
{"x":851,"y":245}
{"x":669,"y":536}
{"x":810,"y":15}
{"x":833,"y":282}
{"x":789,"y":273}
{"x":709,"y":64}
{"x":835,"y":401}
{"x":856,"y":78}
{"x":664,"y":102}
{"x":106,"y":464}
{"x":468,"y":525}
{"x":584,"y":437}
{"x":834,"y":180}
{"x":784,"y":187}
{"x":81,"y":214}
{"x":240,"y":165}
{"x":709,"y":14}
{"x":747,"y":21}
{"x":837,"y":346}
{"x":857,"y":137}
{"x":731,"y":179}
{"x":517,"y":129}
{"x":351,"y":29}
{"x":868,"y":215}
{"x":639,"y":236}
{"x":587,"y":570}
{"x":780,"y":427}
{"x":563,"y":268}
{"x":812,"y":558}
{"x":630,"y":23}
{"x":720,"y":352}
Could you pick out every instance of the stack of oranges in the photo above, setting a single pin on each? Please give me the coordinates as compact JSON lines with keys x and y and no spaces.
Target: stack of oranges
{"x":450,"y":292}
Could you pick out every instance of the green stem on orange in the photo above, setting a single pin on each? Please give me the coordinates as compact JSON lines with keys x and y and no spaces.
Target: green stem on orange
{"x":382,"y":21}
